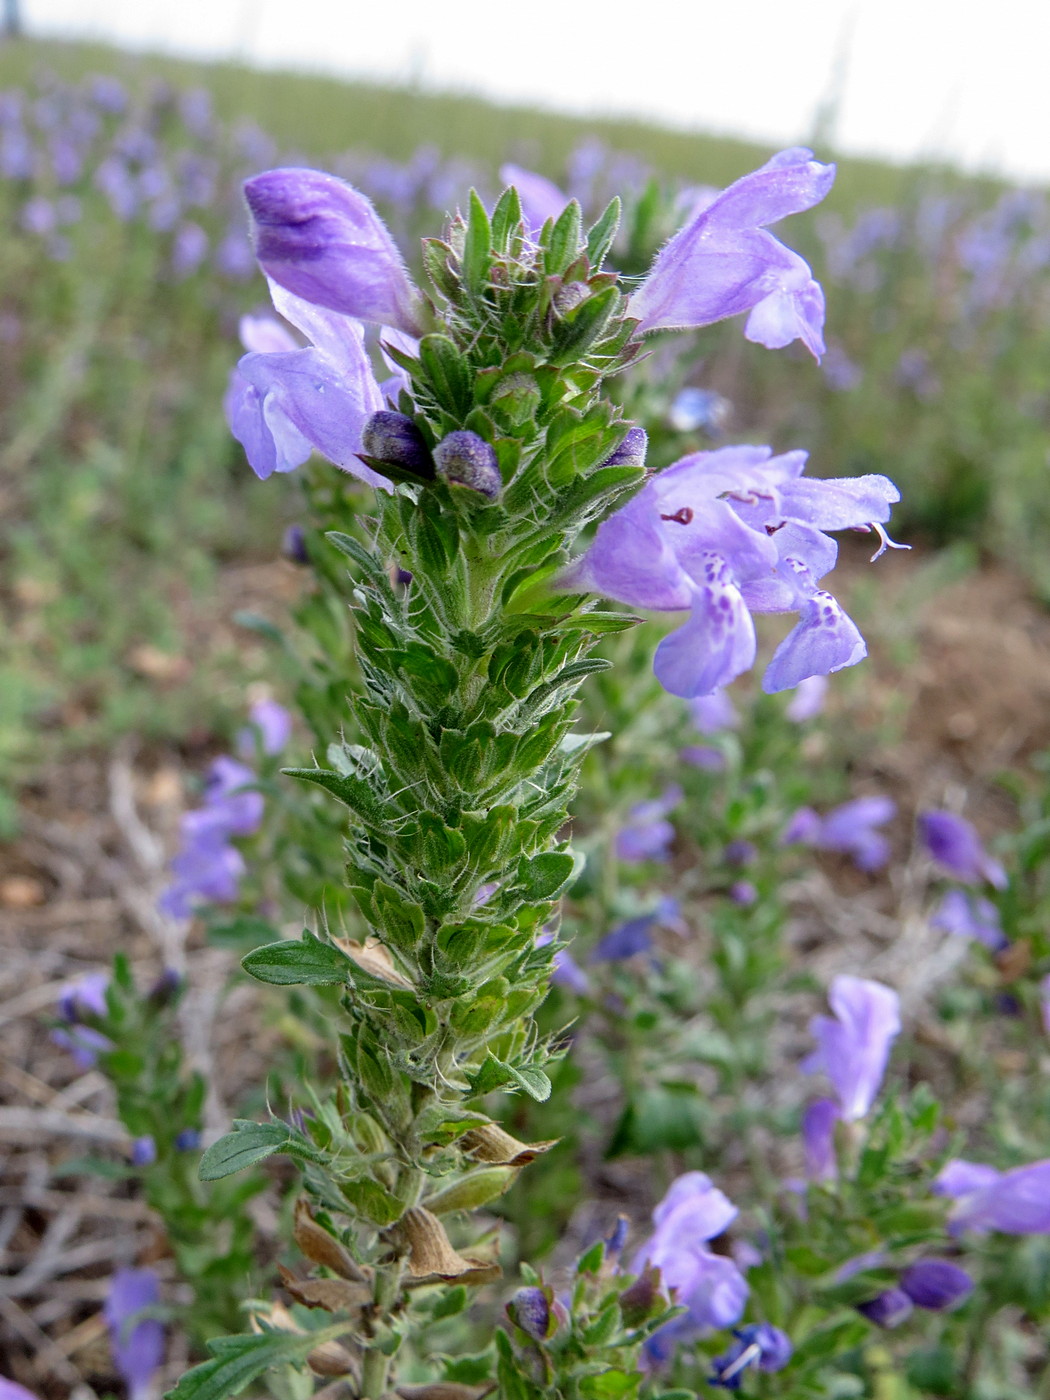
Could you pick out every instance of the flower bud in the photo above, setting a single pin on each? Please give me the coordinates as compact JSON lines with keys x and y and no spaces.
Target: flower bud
{"x":395,"y":439}
{"x":465,"y":459}
{"x":293,"y":545}
{"x":935,"y":1284}
{"x":143,"y":1151}
{"x":639,"y":1300}
{"x":530,"y":1310}
{"x":188,"y":1140}
{"x":166,"y":989}
{"x":631,"y":451}
{"x":888,"y":1309}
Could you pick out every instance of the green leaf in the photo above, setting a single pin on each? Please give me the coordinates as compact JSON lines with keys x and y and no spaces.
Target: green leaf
{"x":578,"y":329}
{"x":365,"y":560}
{"x":238,"y":1360}
{"x":451,"y":1303}
{"x":373,"y":1201}
{"x":399,"y":918}
{"x":477,"y":247}
{"x":611,"y":1385}
{"x":601,"y":234}
{"x":355,"y":793}
{"x":563,"y":245}
{"x":546,"y":875}
{"x":533,"y":1081}
{"x":506,"y":219}
{"x":247,"y":1144}
{"x":449,"y":372}
{"x":308,"y":963}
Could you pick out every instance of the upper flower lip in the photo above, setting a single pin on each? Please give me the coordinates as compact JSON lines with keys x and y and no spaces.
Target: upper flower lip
{"x":323,"y":241}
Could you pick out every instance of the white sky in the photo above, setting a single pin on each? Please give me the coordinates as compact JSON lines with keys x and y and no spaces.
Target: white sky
{"x":946,"y":78}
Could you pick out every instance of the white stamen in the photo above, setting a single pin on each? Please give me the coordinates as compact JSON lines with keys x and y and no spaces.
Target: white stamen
{"x":749,"y":1354}
{"x":887,"y":543}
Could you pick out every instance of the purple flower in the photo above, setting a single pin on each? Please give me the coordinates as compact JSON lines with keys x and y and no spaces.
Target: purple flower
{"x":693,"y":408}
{"x":1016,"y":1202}
{"x":760,"y":1345}
{"x":723,"y":262}
{"x":137,"y":1345}
{"x":11,"y":1390}
{"x":648,"y":834}
{"x":847,"y":829}
{"x":955,"y":846}
{"x":889,"y":1309}
{"x":189,"y":249}
{"x":86,"y":997}
{"x":970,"y":916}
{"x":323,"y":241}
{"x":725,"y":534}
{"x":187,"y":1140}
{"x":853,"y":1049}
{"x":711,"y":714}
{"x":818,"y":1139}
{"x":709,"y":1286}
{"x":143,"y":1152}
{"x":283,"y":401}
{"x":808,"y":700}
{"x":541,"y":199}
{"x":271,"y":724}
{"x":935,"y":1284}
{"x":744,"y":893}
{"x":208,"y":867}
{"x":567,"y":972}
{"x":704,"y":757}
{"x":628,"y":939}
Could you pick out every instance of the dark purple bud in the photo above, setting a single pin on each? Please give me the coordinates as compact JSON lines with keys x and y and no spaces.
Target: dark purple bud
{"x":293,"y":546}
{"x":188,"y":1140}
{"x":739,"y":853}
{"x":888,"y":1310}
{"x":616,"y":1240}
{"x":166,"y":989}
{"x":465,"y":459}
{"x":935,"y":1284}
{"x":639,"y":1300}
{"x":631,"y":452}
{"x":395,"y":439}
{"x":143,"y":1152}
{"x":530,"y":1310}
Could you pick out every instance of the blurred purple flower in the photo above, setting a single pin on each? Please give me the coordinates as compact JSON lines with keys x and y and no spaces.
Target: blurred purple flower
{"x":725,"y":534}
{"x":935,"y":1284}
{"x":137,"y":1346}
{"x":143,"y":1152}
{"x":852,"y":1050}
{"x":189,"y":249}
{"x":714,"y":713}
{"x":807,"y":701}
{"x":818,"y":1139}
{"x":207,"y":867}
{"x":888,"y":1310}
{"x":567,"y":972}
{"x":693,"y":408}
{"x":703,"y":757}
{"x":955,"y":846}
{"x":744,"y":893}
{"x":1015,"y":1202}
{"x":11,"y":1390}
{"x":760,"y":1345}
{"x":187,"y":1140}
{"x":86,"y":997}
{"x":541,"y":199}
{"x":847,"y":829}
{"x":708,"y":1285}
{"x":723,"y":262}
{"x":271,"y":725}
{"x":648,"y":834}
{"x":970,"y":916}
{"x":634,"y":936}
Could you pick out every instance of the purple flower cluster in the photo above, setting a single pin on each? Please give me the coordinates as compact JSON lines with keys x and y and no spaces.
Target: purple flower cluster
{"x":725,"y":534}
{"x":208,"y":866}
{"x":709,"y":1286}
